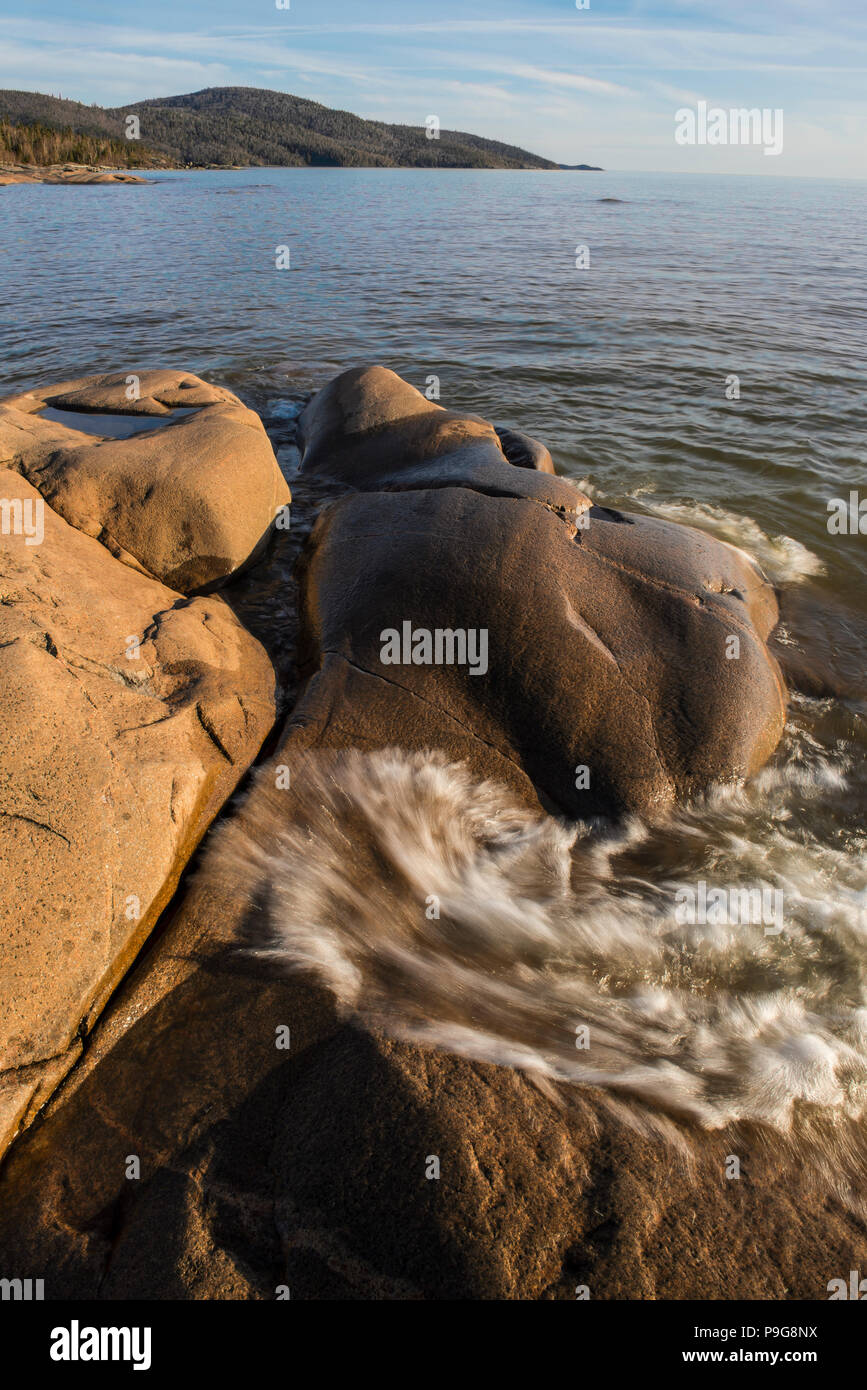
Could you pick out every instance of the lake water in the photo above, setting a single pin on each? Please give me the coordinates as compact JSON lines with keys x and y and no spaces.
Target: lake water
{"x":622,"y":369}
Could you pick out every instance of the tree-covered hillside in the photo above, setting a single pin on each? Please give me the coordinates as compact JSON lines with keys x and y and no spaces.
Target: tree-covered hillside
{"x":245,"y":125}
{"x":41,"y":144}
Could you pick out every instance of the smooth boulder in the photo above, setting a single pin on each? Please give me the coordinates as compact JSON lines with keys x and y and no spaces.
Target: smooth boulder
{"x":371,"y":430}
{"x":129,"y":713}
{"x":189,"y":502}
{"x":626,"y":658}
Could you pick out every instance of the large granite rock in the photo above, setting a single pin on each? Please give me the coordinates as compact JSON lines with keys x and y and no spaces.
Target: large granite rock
{"x":631,"y":647}
{"x":128,"y":715}
{"x":371,"y":430}
{"x":189,"y":502}
{"x":307,"y":1165}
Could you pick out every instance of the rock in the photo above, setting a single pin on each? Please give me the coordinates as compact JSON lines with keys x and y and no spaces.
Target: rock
{"x":188,"y":503}
{"x":306,"y":1167}
{"x":157,"y":393}
{"x":129,"y":714}
{"x":370,"y":430}
{"x":263,"y":1167}
{"x":608,"y":636}
{"x":64,"y":173}
{"x":523,"y":451}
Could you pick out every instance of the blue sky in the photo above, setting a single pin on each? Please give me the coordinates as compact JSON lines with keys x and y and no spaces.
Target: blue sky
{"x":599,"y":85}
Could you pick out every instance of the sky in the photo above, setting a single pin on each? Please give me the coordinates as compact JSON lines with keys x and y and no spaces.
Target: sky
{"x":598,"y":85}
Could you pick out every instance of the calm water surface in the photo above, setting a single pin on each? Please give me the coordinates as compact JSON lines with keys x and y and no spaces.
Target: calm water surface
{"x":471,"y":276}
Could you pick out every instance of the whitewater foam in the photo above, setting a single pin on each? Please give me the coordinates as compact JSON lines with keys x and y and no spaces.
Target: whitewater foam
{"x":447,"y":913}
{"x":783,"y":559}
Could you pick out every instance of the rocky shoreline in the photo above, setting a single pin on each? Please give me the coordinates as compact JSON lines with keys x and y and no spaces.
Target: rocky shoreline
{"x":149,"y":653}
{"x":64,"y":173}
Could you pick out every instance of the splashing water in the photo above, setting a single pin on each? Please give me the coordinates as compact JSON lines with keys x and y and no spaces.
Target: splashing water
{"x":783,"y":559}
{"x":444,"y":911}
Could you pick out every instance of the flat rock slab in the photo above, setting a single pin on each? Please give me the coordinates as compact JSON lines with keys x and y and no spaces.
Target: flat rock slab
{"x":128,"y":715}
{"x":64,"y":173}
{"x":189,"y":503}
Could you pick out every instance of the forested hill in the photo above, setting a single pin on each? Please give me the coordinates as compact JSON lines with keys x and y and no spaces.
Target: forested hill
{"x":226,"y":126}
{"x":39,"y":144}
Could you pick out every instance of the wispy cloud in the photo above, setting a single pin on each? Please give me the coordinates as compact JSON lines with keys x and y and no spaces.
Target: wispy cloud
{"x":545,"y":77}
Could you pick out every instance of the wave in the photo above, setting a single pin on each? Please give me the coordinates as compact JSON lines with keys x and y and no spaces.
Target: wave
{"x":442,"y":910}
{"x":783,"y":559}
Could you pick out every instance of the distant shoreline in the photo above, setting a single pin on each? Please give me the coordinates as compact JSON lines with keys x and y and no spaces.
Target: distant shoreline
{"x":65,"y":174}
{"x":105,"y":174}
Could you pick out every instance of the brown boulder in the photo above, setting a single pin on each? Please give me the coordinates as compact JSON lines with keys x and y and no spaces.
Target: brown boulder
{"x":631,"y":647}
{"x":371,"y":430}
{"x":524,"y":451}
{"x":128,"y":716}
{"x":189,"y":502}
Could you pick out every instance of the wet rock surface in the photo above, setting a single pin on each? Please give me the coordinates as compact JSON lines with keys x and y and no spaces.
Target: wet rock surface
{"x":284,"y":1141}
